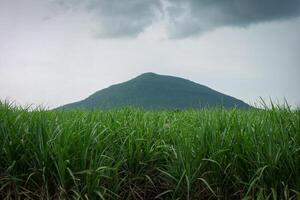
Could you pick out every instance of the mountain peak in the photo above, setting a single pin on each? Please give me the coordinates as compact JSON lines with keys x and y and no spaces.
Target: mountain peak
{"x":154,"y":91}
{"x":148,"y":74}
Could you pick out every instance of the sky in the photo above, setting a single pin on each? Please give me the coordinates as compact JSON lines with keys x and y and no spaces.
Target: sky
{"x":54,"y":52}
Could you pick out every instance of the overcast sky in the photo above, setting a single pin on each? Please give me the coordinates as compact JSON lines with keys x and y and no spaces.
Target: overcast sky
{"x":54,"y":52}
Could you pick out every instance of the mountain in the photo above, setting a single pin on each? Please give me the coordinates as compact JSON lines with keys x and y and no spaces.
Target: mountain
{"x":154,"y":91}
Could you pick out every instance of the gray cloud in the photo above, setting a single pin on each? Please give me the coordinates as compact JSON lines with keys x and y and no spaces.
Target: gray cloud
{"x":128,"y":18}
{"x":192,"y":17}
{"x":118,"y":18}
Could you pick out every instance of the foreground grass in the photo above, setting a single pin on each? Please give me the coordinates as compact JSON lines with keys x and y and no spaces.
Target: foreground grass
{"x":134,"y":154}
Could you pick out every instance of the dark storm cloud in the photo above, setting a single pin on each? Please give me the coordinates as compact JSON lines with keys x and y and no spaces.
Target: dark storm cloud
{"x":184,"y":18}
{"x":118,"y":18}
{"x":192,"y":17}
{"x":124,"y":18}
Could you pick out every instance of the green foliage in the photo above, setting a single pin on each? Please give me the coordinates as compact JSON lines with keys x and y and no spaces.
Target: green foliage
{"x":153,"y":91}
{"x":136,"y":154}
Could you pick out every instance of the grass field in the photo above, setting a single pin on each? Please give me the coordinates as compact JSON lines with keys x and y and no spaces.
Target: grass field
{"x":135,"y":154}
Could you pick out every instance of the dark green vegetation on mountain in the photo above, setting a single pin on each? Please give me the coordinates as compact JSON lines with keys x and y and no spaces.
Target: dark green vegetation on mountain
{"x":153,"y":91}
{"x":136,"y":154}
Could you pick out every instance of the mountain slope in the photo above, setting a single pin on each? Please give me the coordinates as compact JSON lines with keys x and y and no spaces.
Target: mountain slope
{"x":153,"y":91}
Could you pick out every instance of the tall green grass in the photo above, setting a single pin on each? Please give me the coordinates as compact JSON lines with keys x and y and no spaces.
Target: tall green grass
{"x":134,"y":154}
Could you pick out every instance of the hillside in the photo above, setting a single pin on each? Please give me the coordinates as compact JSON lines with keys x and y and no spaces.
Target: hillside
{"x":154,"y":91}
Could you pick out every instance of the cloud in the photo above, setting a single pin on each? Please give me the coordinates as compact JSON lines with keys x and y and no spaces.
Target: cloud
{"x":128,"y":18}
{"x":118,"y":18}
{"x":193,"y":17}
